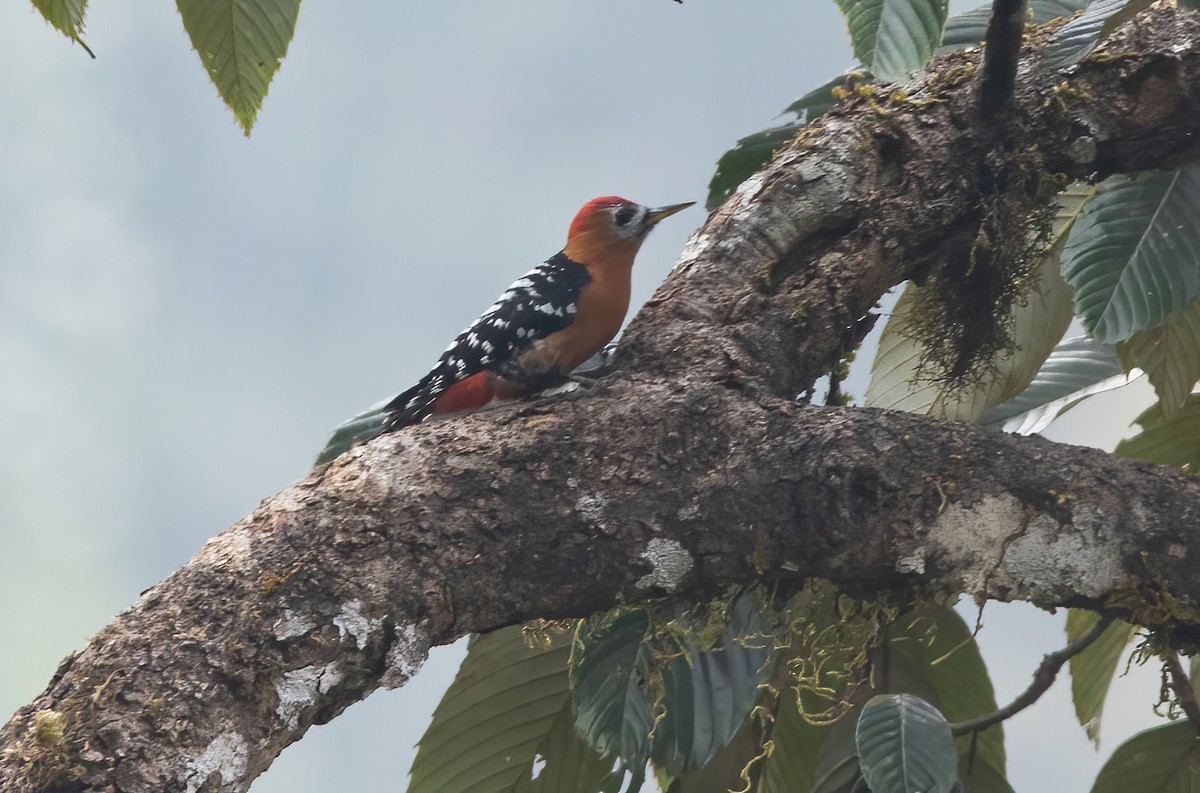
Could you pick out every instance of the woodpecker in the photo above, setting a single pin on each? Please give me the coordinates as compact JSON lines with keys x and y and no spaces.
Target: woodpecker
{"x":552,"y":319}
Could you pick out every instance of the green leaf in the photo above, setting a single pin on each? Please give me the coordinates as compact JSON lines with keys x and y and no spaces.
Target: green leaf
{"x":905,"y":746}
{"x":240,"y":43}
{"x":723,"y":772}
{"x":894,"y":37}
{"x":1162,"y":759}
{"x":1132,"y":257}
{"x":747,"y":156}
{"x":508,"y":704}
{"x":897,"y":379}
{"x":753,"y":151}
{"x":820,"y":657}
{"x":66,"y":16}
{"x":1169,"y":354}
{"x":1174,"y":441}
{"x":569,"y":764}
{"x":709,"y":694}
{"x":1082,"y":34}
{"x":610,"y":664}
{"x":965,"y":30}
{"x":930,"y":653}
{"x":1093,"y":669}
{"x":792,"y":765}
{"x":1078,"y":367}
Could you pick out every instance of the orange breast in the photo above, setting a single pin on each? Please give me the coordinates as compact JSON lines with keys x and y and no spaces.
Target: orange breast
{"x":599,"y":315}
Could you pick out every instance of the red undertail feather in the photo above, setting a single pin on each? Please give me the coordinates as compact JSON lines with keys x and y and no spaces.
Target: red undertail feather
{"x":468,"y":394}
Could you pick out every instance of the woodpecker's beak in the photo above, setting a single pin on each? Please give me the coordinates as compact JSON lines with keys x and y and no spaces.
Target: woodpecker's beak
{"x":665,"y":212}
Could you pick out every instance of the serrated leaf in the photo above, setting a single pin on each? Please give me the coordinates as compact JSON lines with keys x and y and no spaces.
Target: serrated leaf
{"x":1133,"y":257}
{"x":1162,"y":759}
{"x":932,"y":654}
{"x":1174,"y":441}
{"x":958,"y":684}
{"x":818,"y":101}
{"x":569,"y":765}
{"x":1169,"y":354}
{"x":905,"y":746}
{"x":508,"y":705}
{"x":1036,"y":327}
{"x":965,"y":30}
{"x":894,"y":37}
{"x":747,"y":156}
{"x":1079,"y":37}
{"x":753,"y":151}
{"x":610,"y":663}
{"x":66,"y":16}
{"x":709,"y":694}
{"x":968,"y":29}
{"x":792,"y":765}
{"x":1078,"y":367}
{"x":240,"y":44}
{"x":723,"y":772}
{"x":1093,"y":669}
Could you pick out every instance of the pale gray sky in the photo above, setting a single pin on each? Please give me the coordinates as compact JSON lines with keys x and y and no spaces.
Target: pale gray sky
{"x":184,"y":313}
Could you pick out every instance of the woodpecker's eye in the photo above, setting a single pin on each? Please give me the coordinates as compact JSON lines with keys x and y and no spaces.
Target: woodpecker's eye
{"x":624,"y":215}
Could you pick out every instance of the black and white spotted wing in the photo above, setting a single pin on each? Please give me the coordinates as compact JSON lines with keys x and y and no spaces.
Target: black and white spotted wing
{"x":537,"y":304}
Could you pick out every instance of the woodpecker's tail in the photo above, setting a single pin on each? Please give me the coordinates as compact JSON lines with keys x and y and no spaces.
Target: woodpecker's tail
{"x":360,"y":429}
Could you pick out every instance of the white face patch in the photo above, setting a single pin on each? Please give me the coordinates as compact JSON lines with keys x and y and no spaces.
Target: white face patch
{"x":634,"y":226}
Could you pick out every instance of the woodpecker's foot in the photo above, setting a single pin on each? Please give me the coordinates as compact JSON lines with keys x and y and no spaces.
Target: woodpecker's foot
{"x":583,"y":382}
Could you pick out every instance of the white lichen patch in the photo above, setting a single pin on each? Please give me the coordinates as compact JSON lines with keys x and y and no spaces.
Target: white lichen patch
{"x":1005,"y":548}
{"x":591,"y":506}
{"x":299,"y":689}
{"x":669,"y":562}
{"x":225,"y":755}
{"x":350,"y":621}
{"x":406,"y":655}
{"x":1053,"y":563}
{"x":912,"y":561}
{"x":292,"y":624}
{"x":974,"y":537}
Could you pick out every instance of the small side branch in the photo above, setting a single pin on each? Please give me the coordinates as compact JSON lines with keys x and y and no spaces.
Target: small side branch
{"x":1043,"y":678}
{"x":1182,"y":687}
{"x":1002,"y":50}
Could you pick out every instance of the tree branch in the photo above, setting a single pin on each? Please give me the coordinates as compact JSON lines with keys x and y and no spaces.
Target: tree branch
{"x":691,"y":470}
{"x":1001,"y":55}
{"x":1043,"y":677}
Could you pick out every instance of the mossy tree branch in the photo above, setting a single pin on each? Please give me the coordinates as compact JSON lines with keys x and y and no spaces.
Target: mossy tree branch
{"x":691,"y":469}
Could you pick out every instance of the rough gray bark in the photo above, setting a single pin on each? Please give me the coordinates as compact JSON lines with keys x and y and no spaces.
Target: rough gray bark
{"x":691,"y":469}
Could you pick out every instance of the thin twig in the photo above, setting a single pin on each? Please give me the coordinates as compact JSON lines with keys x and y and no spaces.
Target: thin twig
{"x":1183,"y":689}
{"x":1001,"y":52}
{"x":833,"y":398}
{"x":1042,"y":679}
